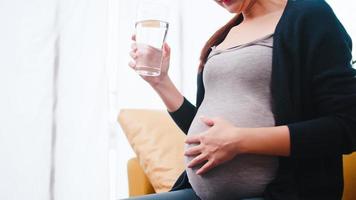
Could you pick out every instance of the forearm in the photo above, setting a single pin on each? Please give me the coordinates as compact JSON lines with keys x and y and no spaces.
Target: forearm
{"x":266,"y":141}
{"x":169,"y":94}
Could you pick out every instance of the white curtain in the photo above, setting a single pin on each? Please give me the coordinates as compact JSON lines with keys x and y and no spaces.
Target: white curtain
{"x":27,"y":43}
{"x":82,"y":126}
{"x":54,"y":125}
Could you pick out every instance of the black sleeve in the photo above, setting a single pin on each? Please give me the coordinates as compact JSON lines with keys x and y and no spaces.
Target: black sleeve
{"x":333,"y":131}
{"x":184,"y":116}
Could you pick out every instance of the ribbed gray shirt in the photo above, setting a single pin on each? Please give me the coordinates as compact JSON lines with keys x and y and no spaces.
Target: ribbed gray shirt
{"x":237,"y":88}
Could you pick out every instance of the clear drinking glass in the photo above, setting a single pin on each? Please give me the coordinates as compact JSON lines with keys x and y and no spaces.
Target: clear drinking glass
{"x":151,"y":31}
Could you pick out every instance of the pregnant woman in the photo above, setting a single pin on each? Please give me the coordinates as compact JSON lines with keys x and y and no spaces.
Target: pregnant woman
{"x":275,"y":109}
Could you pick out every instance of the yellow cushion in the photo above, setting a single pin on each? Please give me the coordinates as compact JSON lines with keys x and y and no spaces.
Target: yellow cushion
{"x":138,"y":181}
{"x":158,"y":144}
{"x":349,"y":177}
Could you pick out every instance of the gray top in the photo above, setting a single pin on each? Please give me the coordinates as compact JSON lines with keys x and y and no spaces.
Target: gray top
{"x":237,"y":88}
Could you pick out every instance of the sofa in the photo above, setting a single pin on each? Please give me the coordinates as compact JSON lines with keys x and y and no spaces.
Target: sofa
{"x":140,"y":184}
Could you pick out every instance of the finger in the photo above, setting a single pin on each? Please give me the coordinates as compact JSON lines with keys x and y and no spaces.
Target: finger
{"x":193,"y":151}
{"x":197,"y":160}
{"x":206,"y":167}
{"x":192,"y":139}
{"x":133,"y":37}
{"x":133,"y":55}
{"x":134,"y":46}
{"x":166,"y":51}
{"x":132,"y":64}
{"x":207,"y":121}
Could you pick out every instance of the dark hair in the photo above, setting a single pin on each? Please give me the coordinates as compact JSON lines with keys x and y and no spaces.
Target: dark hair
{"x":217,"y":38}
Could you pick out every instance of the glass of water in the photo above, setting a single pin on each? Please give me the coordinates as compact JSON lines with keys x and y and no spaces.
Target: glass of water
{"x":151,"y":31}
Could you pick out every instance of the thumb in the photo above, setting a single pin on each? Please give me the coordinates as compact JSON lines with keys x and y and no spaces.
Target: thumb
{"x":207,"y":121}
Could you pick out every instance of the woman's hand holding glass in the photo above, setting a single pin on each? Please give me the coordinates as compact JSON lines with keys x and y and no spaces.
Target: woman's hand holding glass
{"x":136,"y":54}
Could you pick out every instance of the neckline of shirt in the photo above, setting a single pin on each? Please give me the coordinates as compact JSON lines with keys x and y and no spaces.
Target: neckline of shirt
{"x":213,"y":48}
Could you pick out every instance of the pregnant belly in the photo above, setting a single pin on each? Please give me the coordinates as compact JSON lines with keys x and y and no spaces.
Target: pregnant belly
{"x":242,"y":177}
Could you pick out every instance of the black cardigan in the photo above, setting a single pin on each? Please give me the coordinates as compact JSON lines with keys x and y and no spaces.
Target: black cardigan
{"x":313,"y":87}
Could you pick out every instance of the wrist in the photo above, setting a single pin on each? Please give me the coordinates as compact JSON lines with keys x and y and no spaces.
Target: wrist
{"x":161,"y":84}
{"x":241,"y":142}
{"x":170,"y":95}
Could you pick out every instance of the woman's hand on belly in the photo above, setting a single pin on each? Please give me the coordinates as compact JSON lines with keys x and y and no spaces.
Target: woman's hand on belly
{"x":223,"y":141}
{"x":217,"y":145}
